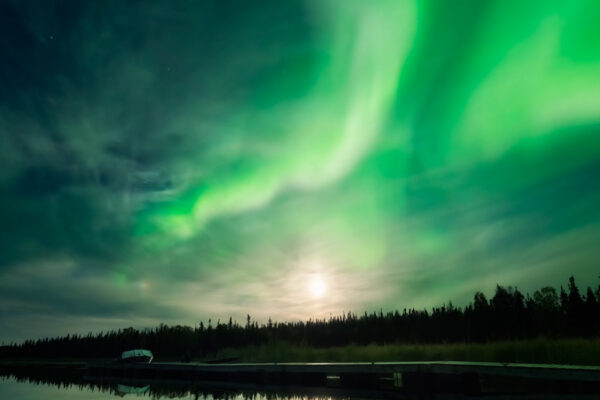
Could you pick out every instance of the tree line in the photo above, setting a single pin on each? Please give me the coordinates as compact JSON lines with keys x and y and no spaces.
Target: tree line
{"x":508,"y":315}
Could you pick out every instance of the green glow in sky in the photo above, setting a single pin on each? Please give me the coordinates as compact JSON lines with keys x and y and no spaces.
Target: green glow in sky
{"x":181,"y":162}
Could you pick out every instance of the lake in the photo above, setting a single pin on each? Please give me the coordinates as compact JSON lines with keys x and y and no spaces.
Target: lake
{"x":11,"y":388}
{"x":71,"y":383}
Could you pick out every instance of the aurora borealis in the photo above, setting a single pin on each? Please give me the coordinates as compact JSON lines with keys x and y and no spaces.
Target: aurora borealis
{"x":179,"y":161}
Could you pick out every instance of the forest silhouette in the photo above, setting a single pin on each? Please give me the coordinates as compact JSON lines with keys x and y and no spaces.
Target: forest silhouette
{"x":508,"y":315}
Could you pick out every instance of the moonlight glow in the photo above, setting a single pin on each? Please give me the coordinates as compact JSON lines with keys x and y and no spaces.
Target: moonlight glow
{"x":317,"y":287}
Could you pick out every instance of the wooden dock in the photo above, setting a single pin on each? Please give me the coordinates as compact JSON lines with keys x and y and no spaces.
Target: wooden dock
{"x":442,"y":377}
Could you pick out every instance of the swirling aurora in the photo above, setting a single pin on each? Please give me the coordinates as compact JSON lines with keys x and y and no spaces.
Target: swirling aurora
{"x":178,"y":161}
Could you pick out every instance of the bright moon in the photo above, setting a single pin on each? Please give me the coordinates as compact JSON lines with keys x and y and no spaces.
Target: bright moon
{"x":317,"y":287}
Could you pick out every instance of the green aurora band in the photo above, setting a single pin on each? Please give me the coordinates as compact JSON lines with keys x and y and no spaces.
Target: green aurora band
{"x":407,"y":152}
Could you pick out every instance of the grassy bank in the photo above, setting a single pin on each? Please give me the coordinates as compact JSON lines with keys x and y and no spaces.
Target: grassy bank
{"x":543,"y":351}
{"x":549,"y":351}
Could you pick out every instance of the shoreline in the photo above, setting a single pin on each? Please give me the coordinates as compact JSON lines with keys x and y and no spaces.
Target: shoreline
{"x":538,"y":351}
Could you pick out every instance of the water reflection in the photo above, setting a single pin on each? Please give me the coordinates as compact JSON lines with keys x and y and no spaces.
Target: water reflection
{"x":52,"y":382}
{"x":73,"y":379}
{"x":126,"y":389}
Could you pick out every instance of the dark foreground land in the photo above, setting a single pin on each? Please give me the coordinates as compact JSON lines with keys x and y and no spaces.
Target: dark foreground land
{"x":540,"y":351}
{"x":561,"y":367}
{"x":536,"y":351}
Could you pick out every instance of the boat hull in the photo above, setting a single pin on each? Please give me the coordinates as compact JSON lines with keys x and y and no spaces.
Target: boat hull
{"x":136,"y":360}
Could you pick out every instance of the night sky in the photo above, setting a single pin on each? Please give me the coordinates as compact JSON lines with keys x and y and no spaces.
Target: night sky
{"x":174,"y":161}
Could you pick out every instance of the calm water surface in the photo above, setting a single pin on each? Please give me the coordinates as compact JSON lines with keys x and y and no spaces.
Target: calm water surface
{"x":63,"y":383}
{"x":11,"y":388}
{"x":26,"y":388}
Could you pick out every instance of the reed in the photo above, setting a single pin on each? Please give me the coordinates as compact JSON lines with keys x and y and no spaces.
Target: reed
{"x":541,"y":350}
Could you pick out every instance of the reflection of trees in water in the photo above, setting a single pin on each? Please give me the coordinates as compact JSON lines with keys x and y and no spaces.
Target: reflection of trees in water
{"x":61,"y":377}
{"x":161,"y":391}
{"x":73,"y":378}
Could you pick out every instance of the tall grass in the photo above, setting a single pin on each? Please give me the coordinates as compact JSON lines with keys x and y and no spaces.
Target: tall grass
{"x":542,"y":350}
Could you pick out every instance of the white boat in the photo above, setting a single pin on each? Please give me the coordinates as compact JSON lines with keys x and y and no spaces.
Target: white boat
{"x":137,"y":356}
